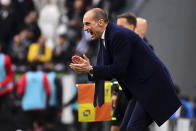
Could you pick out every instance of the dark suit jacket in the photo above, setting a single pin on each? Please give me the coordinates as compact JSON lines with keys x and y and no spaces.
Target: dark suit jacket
{"x":139,"y":72}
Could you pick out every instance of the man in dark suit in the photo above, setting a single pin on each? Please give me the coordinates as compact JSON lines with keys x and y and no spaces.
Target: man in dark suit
{"x":125,"y":56}
{"x":119,"y":100}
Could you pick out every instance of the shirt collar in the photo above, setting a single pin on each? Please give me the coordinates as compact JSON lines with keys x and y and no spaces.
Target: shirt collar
{"x":103,"y":35}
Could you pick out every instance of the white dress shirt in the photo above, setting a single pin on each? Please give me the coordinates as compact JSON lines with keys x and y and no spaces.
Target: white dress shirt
{"x":103,"y":38}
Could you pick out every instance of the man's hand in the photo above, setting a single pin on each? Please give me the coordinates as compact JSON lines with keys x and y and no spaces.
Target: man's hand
{"x":77,"y":59}
{"x":114,"y":98}
{"x":36,"y":57}
{"x":80,"y":65}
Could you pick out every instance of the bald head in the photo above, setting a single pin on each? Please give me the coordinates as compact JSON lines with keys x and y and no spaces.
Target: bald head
{"x":141,"y":27}
{"x":98,"y":14}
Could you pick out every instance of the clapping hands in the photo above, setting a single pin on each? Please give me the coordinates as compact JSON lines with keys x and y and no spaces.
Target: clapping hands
{"x":80,"y":65}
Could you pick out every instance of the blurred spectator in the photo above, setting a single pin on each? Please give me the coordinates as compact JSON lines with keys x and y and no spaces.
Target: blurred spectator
{"x":31,"y":22}
{"x":48,"y":22}
{"x":6,"y":86}
{"x":117,"y":6}
{"x":7,"y":74}
{"x":55,"y":101}
{"x":62,"y":52}
{"x":112,"y":7}
{"x":75,"y":16}
{"x":23,"y":7}
{"x":8,"y":23}
{"x":70,"y":3}
{"x":34,"y":89}
{"x":19,"y":47}
{"x":41,"y":3}
{"x":39,"y":52}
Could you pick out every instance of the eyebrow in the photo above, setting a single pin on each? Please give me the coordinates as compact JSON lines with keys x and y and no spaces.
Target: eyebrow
{"x":86,"y":23}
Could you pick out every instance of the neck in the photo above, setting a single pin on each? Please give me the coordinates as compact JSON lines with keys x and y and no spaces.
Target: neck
{"x":104,"y":28}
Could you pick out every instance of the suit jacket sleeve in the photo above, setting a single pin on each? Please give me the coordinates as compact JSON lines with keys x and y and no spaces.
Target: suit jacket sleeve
{"x":120,"y":47}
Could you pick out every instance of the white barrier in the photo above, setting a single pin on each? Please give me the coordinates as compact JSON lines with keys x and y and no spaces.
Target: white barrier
{"x":68,"y":83}
{"x":183,"y":125}
{"x":180,"y":124}
{"x":164,"y":127}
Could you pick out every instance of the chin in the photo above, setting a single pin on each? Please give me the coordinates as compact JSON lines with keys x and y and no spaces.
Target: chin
{"x":93,"y":38}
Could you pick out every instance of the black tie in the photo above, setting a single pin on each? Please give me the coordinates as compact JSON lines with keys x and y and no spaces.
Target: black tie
{"x":99,"y":84}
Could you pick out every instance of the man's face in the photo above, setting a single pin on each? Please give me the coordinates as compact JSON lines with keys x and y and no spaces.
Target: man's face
{"x":123,"y":22}
{"x":91,"y":26}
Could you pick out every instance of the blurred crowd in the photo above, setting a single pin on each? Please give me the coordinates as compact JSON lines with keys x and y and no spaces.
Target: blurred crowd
{"x":45,"y":31}
{"x":38,"y":39}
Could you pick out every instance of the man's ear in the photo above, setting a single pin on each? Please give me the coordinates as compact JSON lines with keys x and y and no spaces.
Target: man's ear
{"x":101,"y":22}
{"x":132,"y":27}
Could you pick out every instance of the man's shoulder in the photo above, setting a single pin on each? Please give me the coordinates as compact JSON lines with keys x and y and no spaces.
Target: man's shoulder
{"x":116,"y":30}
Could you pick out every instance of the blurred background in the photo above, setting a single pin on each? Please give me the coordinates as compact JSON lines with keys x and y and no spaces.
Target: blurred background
{"x":42,"y":35}
{"x":171,"y":30}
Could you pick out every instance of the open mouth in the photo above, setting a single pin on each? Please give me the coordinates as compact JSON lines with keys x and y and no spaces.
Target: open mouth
{"x":90,"y":32}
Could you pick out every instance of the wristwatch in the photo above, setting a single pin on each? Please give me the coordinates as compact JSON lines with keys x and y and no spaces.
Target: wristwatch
{"x":91,"y":72}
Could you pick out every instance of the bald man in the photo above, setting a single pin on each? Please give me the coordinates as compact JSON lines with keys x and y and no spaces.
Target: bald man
{"x":123,"y":55}
{"x":141,"y":27}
